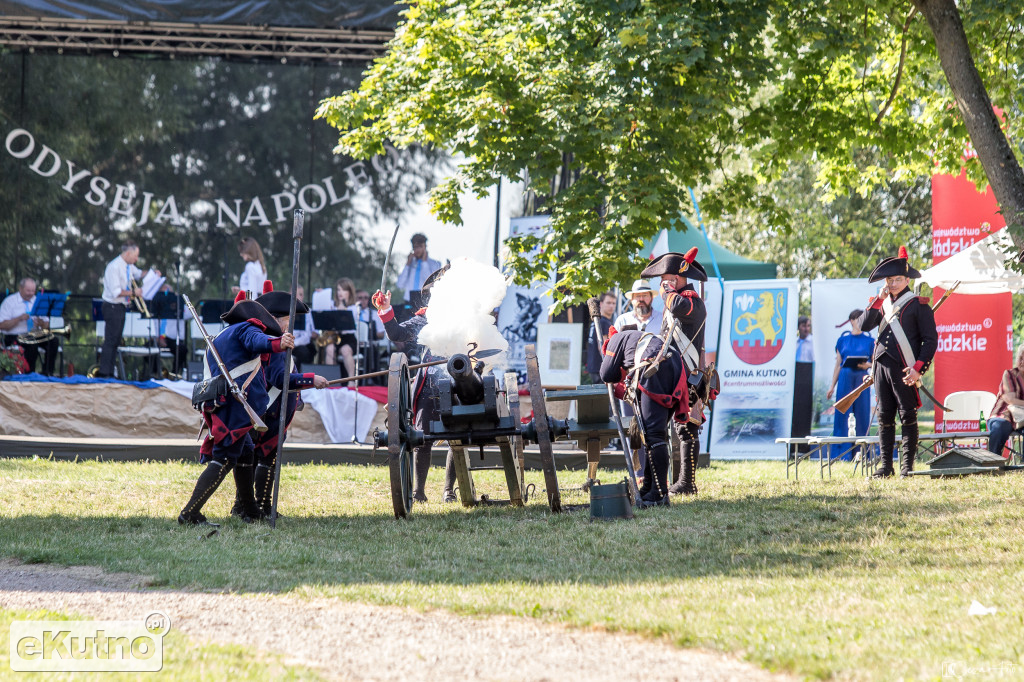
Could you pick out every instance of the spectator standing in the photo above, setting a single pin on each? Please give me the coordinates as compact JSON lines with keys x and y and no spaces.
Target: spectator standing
{"x":418,"y":267}
{"x":640,"y":315}
{"x":803,"y":381}
{"x":853,"y":350}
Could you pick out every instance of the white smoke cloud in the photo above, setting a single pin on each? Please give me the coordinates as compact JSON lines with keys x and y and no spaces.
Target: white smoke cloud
{"x":459,"y":311}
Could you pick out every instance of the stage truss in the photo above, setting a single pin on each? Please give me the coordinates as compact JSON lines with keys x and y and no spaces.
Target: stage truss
{"x":288,"y":45}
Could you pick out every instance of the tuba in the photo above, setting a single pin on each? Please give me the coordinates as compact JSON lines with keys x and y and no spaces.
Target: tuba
{"x":42,"y":335}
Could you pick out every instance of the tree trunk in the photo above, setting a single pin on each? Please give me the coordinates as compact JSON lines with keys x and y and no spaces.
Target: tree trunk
{"x":1001,"y":166}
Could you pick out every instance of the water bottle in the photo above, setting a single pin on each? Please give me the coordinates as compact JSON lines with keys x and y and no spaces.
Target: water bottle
{"x":981,"y":421}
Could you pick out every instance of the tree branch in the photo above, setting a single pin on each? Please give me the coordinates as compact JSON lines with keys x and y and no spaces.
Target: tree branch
{"x":899,"y":68}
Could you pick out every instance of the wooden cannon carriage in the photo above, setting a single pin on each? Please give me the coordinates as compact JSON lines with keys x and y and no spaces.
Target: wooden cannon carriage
{"x":474,"y":412}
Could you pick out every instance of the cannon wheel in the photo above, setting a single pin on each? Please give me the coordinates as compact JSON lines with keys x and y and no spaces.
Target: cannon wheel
{"x":540,"y":423}
{"x":400,"y":419}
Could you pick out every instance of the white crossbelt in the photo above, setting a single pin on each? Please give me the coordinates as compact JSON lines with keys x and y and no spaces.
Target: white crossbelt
{"x":891,"y":318}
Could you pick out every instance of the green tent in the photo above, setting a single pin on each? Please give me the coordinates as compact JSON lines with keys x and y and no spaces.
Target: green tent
{"x":731,"y":265}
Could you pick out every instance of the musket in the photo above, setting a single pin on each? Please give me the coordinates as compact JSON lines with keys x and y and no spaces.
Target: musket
{"x":479,"y":355}
{"x":235,"y":390}
{"x":846,"y":402}
{"x":594,"y":307}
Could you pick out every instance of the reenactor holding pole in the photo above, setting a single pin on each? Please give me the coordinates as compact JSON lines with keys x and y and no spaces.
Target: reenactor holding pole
{"x":231,"y":408}
{"x":683,"y":327}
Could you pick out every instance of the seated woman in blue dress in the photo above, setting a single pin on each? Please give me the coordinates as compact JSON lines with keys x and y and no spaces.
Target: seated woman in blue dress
{"x":848,"y":375}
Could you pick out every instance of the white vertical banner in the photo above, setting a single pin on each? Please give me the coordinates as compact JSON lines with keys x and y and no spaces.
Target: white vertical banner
{"x":832,"y":301}
{"x":756,"y":361}
{"x":524,"y":307}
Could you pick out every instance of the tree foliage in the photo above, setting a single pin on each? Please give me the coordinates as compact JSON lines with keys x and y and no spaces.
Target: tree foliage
{"x":647,"y":98}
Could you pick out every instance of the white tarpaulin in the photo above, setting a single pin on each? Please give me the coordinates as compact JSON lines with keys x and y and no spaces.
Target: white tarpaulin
{"x":981,"y":268}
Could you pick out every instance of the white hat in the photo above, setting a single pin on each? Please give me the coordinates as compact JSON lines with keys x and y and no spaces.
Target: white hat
{"x":640,"y":286}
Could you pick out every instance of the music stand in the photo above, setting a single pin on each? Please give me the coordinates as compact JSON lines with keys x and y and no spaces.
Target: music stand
{"x":211,"y":309}
{"x":341,"y":321}
{"x":167,"y":306}
{"x":49,"y":305}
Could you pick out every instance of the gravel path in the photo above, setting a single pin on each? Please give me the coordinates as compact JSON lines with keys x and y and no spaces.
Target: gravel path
{"x":349,"y":641}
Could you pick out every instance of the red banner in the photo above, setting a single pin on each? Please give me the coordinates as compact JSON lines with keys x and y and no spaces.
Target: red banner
{"x":975,"y":332}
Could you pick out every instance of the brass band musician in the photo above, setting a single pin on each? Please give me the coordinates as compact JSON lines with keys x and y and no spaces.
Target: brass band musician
{"x":119,"y":288}
{"x":15,"y":319}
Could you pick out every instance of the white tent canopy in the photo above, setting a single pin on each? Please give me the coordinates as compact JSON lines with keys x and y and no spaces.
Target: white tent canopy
{"x":980,"y":269}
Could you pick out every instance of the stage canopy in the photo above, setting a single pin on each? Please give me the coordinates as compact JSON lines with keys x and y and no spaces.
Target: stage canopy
{"x":981,"y":268}
{"x":732,"y":265}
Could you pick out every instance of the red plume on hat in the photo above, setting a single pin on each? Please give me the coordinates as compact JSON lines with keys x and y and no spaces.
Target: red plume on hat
{"x":240,"y":296}
{"x":902,"y":253}
{"x":268,"y":286}
{"x":691,"y":255}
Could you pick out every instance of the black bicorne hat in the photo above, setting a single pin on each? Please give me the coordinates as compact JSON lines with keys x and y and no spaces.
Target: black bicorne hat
{"x":431,"y":281}
{"x":894,"y":267}
{"x":673,"y":263}
{"x":246,"y":309}
{"x":278,"y":303}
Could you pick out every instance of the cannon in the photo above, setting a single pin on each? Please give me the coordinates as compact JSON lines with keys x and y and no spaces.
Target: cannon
{"x":473,"y":413}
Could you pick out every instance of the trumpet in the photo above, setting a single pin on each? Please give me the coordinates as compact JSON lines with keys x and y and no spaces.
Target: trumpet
{"x":140,"y":302}
{"x":43,"y":335}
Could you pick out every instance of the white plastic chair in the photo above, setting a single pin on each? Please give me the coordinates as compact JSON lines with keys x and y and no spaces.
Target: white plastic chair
{"x":968,"y":405}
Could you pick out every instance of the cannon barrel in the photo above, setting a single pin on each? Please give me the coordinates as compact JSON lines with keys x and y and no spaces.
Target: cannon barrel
{"x":469,"y":387}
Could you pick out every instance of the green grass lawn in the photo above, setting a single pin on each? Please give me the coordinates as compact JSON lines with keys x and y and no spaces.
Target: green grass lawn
{"x":845,"y":578}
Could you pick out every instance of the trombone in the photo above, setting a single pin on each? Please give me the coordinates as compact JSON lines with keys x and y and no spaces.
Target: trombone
{"x":140,"y":302}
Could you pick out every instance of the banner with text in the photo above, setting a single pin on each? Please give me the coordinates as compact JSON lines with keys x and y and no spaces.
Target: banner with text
{"x":975,"y":332}
{"x":755,"y":363}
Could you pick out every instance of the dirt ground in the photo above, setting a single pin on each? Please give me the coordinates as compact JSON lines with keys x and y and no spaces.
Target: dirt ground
{"x":349,"y":641}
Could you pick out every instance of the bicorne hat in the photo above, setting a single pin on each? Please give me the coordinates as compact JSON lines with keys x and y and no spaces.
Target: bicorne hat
{"x":673,"y":263}
{"x":278,"y":303}
{"x":431,"y":281}
{"x":246,"y":309}
{"x":894,"y":267}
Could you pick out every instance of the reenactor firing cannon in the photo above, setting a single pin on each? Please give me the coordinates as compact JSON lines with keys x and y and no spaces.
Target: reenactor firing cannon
{"x":475,"y":413}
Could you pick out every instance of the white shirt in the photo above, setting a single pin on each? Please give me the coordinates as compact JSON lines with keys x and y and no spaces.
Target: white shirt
{"x":629,"y":317}
{"x":304,"y":336}
{"x":369,"y":317}
{"x":252,"y":279}
{"x":115,"y":280}
{"x":413,"y":276}
{"x":15,"y":306}
{"x":805,"y":349}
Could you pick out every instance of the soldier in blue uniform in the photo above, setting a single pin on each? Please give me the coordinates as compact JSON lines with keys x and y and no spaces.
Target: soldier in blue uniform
{"x":848,"y":375}
{"x":907,"y":341}
{"x":656,"y":399}
{"x":424,"y":389}
{"x":278,"y":304}
{"x":684,"y":304}
{"x":244,"y":345}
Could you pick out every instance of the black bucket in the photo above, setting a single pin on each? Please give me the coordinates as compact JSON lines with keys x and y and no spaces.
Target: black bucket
{"x":609,"y":502}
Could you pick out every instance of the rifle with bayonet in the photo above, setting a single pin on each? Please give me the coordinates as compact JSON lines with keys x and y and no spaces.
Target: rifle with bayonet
{"x":232,"y":386}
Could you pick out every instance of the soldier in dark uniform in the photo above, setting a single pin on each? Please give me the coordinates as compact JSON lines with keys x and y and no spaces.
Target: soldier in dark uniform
{"x":906,"y":344}
{"x":424,"y":389}
{"x":684,"y":304}
{"x":656,"y":399}
{"x":252,"y":334}
{"x":278,"y":304}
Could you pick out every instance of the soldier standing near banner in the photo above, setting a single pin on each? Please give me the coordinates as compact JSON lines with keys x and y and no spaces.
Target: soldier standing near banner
{"x":278,"y":304}
{"x":424,"y":389}
{"x":906,"y":344}
{"x":656,"y":399}
{"x":683,"y":320}
{"x":252,"y":333}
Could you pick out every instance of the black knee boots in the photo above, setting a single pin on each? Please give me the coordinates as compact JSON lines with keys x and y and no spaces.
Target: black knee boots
{"x":886,"y":444}
{"x":264,"y":484}
{"x":658,"y":458}
{"x":245,"y":491}
{"x":910,"y":437}
{"x":206,"y":486}
{"x":687,"y":482}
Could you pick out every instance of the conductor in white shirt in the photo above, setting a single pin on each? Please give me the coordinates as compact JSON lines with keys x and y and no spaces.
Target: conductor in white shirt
{"x":15,"y":319}
{"x":117,"y":292}
{"x":418,"y":266}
